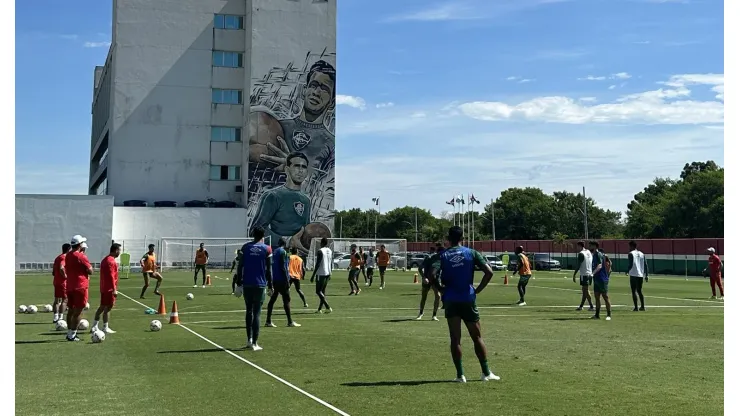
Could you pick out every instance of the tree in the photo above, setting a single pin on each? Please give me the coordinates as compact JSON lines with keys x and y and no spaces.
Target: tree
{"x":696,"y":167}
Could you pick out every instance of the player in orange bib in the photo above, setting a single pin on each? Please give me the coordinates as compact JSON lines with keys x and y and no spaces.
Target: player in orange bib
{"x":355,"y":262}
{"x":296,"y":272}
{"x":149,"y":270}
{"x":383,"y":258}
{"x":201,"y":260}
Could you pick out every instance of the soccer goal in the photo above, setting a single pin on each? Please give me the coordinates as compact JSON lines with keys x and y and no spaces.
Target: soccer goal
{"x":341,"y":248}
{"x":179,"y":252}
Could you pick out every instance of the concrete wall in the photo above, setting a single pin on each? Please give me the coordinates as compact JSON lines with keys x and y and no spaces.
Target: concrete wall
{"x":155,"y":223}
{"x":44,"y":222}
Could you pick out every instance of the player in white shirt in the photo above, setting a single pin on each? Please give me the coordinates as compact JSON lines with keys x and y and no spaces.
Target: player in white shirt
{"x":369,"y":266}
{"x":322,"y":268}
{"x":637,"y":270}
{"x":585,"y":270}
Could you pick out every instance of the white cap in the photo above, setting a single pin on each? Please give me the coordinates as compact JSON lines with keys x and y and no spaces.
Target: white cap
{"x":711,"y":249}
{"x":78,"y":239}
{"x":84,"y":245}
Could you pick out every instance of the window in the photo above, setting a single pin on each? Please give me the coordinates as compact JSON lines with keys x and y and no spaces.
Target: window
{"x":226,"y":173}
{"x":226,"y":134}
{"x":228,"y":59}
{"x":226,"y":96}
{"x":227,"y":21}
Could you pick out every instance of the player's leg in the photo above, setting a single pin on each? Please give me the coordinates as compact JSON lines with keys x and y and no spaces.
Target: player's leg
{"x":233,"y":284}
{"x":522,"y":289}
{"x":205,"y":271}
{"x":437,"y":300}
{"x":357,"y":281}
{"x":639,"y":293}
{"x":713,"y":283}
{"x":607,"y":302}
{"x":324,"y":284}
{"x":422,"y":303}
{"x":98,"y":314}
{"x":364,"y":275}
{"x":633,"y":289}
{"x":351,"y":281}
{"x":382,"y":276}
{"x":259,"y":299}
{"x":454,"y":323}
{"x":146,"y":285}
{"x":472,"y":322}
{"x":597,"y":294}
{"x":720,"y":286}
{"x":158,"y":277}
{"x":195,"y":276}
{"x":270,"y":305}
{"x":248,"y":317}
{"x":297,"y":284}
{"x":285,"y":294}
{"x":370,"y":272}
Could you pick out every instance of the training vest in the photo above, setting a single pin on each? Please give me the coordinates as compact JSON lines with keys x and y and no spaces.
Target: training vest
{"x":638,"y":264}
{"x":324,"y":268}
{"x":586,"y":267}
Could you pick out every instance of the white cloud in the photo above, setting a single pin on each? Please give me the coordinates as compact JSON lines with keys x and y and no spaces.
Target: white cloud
{"x":592,"y":78}
{"x":445,"y":11}
{"x":618,"y":75}
{"x":611,"y":87}
{"x":469,"y":10}
{"x":419,"y":114}
{"x":384,"y":105}
{"x":622,"y":75}
{"x":103,"y":44}
{"x":45,"y":179}
{"x":587,"y":99}
{"x":520,"y":80}
{"x":662,"y":106}
{"x":348,"y":100}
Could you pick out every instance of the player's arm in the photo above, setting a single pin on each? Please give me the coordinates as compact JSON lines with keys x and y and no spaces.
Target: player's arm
{"x":519,"y":264}
{"x":319,"y":259}
{"x":481,"y":263}
{"x":240,"y":270}
{"x":141,"y":262}
{"x":630,"y":263}
{"x":600,"y":263}
{"x":62,"y":270}
{"x":284,"y":262}
{"x":646,"y":269}
{"x":268,"y":269}
{"x":206,"y":252}
{"x":581,"y":259}
{"x":88,"y":266}
{"x":233,"y":264}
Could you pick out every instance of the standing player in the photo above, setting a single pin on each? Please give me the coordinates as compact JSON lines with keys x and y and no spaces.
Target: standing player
{"x":233,"y":265}
{"x":525,"y":273}
{"x":430,"y":270}
{"x":383,"y":258}
{"x":354,"y":271}
{"x":637,"y":271}
{"x":369,"y":267}
{"x":201,"y":260}
{"x":254,"y":274}
{"x":715,"y":274}
{"x":458,"y":264}
{"x":296,"y":272}
{"x":149,"y":270}
{"x":363,"y":260}
{"x":60,"y":283}
{"x":280,"y":284}
{"x":601,"y":281}
{"x":108,"y":288}
{"x":585,"y":260}
{"x":78,"y":269}
{"x":323,"y":270}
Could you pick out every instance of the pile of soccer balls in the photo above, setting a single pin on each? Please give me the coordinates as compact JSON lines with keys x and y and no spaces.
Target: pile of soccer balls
{"x":31,"y":309}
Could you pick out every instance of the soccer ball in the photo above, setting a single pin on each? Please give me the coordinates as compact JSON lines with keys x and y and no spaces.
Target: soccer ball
{"x":47,"y":308}
{"x":83,"y":325}
{"x":61,"y":325}
{"x":189,"y":296}
{"x":87,"y":306}
{"x":32,"y":309}
{"x":98,"y":337}
{"x":22,"y":309}
{"x":155,"y":325}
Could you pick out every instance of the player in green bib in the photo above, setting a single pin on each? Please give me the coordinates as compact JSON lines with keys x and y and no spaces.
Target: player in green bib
{"x":430,"y":270}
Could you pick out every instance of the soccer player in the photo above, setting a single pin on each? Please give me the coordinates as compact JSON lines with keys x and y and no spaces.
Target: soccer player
{"x":369,"y":266}
{"x":108,"y":288}
{"x":233,"y":265}
{"x":149,"y":270}
{"x":280,"y":284}
{"x":78,"y":270}
{"x":254,"y":274}
{"x":525,"y":273}
{"x":429,"y":270}
{"x":383,"y":258}
{"x":296,"y":270}
{"x":458,"y":266}
{"x":363,"y":260}
{"x":601,"y":281}
{"x":715,"y":274}
{"x":60,"y":283}
{"x":637,"y":270}
{"x":323,"y":270}
{"x":585,"y":260}
{"x":354,"y":270}
{"x":201,"y":260}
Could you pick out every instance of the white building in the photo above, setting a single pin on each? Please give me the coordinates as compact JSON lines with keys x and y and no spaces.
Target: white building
{"x":171,"y":105}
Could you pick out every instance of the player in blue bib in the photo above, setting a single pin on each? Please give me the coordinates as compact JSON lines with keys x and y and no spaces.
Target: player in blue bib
{"x":281,"y":284}
{"x":458,"y":264}
{"x":254,"y":275}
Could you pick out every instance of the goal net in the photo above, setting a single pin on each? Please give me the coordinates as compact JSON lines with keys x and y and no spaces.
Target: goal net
{"x":341,"y":248}
{"x":179,"y":253}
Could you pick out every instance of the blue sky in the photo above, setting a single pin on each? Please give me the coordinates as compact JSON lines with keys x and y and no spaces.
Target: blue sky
{"x":444,"y":97}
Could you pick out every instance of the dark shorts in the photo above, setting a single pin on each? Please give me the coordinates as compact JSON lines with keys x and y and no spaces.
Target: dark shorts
{"x":467,"y":311}
{"x":199,"y":267}
{"x":425,"y":284}
{"x":370,"y":270}
{"x":586,"y":280}
{"x":77,"y":298}
{"x":322,"y":281}
{"x":295,"y":281}
{"x":601,"y":286}
{"x":281,"y":287}
{"x":148,"y":274}
{"x":354,"y":273}
{"x":523,"y":280}
{"x":636,"y":282}
{"x":254,"y":294}
{"x":381,"y":269}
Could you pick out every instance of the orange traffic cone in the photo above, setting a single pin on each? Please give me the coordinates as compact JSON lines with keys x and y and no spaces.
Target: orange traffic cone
{"x":162,"y":310}
{"x":416,"y":278}
{"x":208,"y":279}
{"x":506,"y":278}
{"x":174,"y":317}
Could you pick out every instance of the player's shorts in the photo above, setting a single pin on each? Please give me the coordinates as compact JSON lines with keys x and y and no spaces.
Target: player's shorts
{"x":60,"y":291}
{"x":77,"y":298}
{"x":322,"y":281}
{"x":295,"y":280}
{"x":425,"y":283}
{"x":107,"y":299}
{"x":369,"y":270}
{"x":601,"y":285}
{"x":253,"y":294}
{"x":636,"y":282}
{"x":467,"y":311}
{"x":381,"y":269}
{"x":199,"y":267}
{"x":523,"y":280}
{"x":586,"y":280}
{"x":282,"y":287}
{"x":148,"y":274}
{"x":354,"y":273}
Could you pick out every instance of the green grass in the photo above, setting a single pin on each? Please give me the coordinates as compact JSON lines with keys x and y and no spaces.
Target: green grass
{"x":370,"y":358}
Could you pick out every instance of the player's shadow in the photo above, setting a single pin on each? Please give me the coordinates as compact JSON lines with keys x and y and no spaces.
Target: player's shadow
{"x":400,"y":320}
{"x":54,"y":333}
{"x":229,"y":327}
{"x":192,"y":351}
{"x":395,"y":383}
{"x":220,"y":294}
{"x":584,"y":318}
{"x":498,"y":304}
{"x":41,"y":341}
{"x":31,"y":323}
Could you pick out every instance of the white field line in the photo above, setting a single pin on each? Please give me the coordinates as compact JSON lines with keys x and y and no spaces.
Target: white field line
{"x":630,"y":295}
{"x":255,"y":366}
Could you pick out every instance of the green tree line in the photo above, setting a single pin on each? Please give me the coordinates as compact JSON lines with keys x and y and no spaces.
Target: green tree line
{"x":691,"y":206}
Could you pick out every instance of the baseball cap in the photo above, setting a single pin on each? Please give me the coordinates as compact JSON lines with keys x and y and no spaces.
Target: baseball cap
{"x":78,"y":239}
{"x":84,"y":245}
{"x":711,"y":249}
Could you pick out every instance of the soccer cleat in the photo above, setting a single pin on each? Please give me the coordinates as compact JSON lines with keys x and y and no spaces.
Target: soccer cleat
{"x":249,"y":344}
{"x":75,"y":339}
{"x":93,"y":329}
{"x":305,"y":305}
{"x":330,"y":310}
{"x":595,"y":317}
{"x":204,"y":286}
{"x":195,"y":285}
{"x":358,"y":291}
{"x":635,"y":309}
{"x":523,"y":304}
{"x":713,"y":297}
{"x":418,"y":318}
{"x":580,"y":308}
{"x":434,"y":318}
{"x":270,"y":325}
{"x":489,"y":377}
{"x":319,"y":311}
{"x":351,"y":293}
{"x":721,"y":298}
{"x":642,"y":308}
{"x":460,"y":380}
{"x":608,"y":318}
{"x":256,"y":347}
{"x":108,"y":331}
{"x":294,"y":324}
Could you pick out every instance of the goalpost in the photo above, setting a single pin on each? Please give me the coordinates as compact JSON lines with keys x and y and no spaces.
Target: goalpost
{"x":340,"y":248}
{"x":179,"y":252}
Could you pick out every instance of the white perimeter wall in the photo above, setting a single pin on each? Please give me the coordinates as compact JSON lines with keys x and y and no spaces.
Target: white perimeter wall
{"x":44,"y":222}
{"x":132,"y":223}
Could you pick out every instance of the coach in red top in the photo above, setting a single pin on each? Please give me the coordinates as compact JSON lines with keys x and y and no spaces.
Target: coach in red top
{"x":60,"y":283}
{"x":108,"y":288}
{"x":78,"y":270}
{"x":715,"y":273}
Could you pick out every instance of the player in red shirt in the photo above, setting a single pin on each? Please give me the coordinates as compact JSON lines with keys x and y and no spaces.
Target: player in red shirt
{"x":108,"y":288}
{"x":60,"y":283}
{"x":78,"y":270}
{"x":715,"y":273}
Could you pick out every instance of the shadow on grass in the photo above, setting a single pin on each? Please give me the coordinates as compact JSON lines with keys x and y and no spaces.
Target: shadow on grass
{"x":193,"y":351}
{"x":32,"y":323}
{"x":498,"y":304}
{"x":400,"y":320}
{"x":44,"y":341}
{"x":57,"y":333}
{"x":220,"y":294}
{"x":585,"y":318}
{"x":394,"y":383}
{"x":229,"y":327}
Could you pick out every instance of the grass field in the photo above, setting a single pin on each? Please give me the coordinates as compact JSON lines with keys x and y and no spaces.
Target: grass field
{"x":370,"y":357}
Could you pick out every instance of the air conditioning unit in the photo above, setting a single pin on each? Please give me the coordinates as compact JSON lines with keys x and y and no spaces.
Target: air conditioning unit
{"x":239,"y":188}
